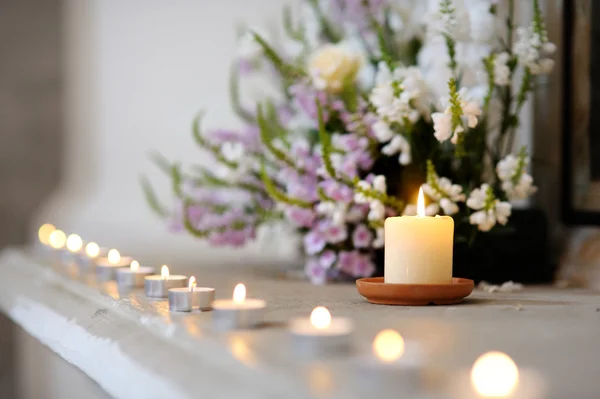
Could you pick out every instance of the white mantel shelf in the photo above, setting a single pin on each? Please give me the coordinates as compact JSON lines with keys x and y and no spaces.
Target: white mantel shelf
{"x":135,"y":348}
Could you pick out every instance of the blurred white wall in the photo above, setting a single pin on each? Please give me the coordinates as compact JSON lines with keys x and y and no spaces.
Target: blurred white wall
{"x":137,"y":71}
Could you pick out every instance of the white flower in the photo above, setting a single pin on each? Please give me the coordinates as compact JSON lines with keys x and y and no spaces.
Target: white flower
{"x":382,"y":131}
{"x":516,"y":183}
{"x":470,"y":109}
{"x":399,"y":96}
{"x":489,"y":209}
{"x":379,"y":240}
{"x":442,"y":125}
{"x":359,"y":197}
{"x":335,"y":210}
{"x":334,"y":65}
{"x":379,"y":183}
{"x":376,"y":211}
{"x":398,"y":144}
{"x":232,"y":151}
{"x":441,"y":190}
{"x":533,"y":51}
{"x":501,"y":69}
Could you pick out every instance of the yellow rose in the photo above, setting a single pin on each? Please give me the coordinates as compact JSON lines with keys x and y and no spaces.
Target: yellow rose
{"x":334,"y":65}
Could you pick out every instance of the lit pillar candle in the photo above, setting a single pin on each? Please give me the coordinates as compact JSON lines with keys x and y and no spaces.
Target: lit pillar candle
{"x":239,"y":312}
{"x":418,"y":249}
{"x":133,"y":276}
{"x":157,"y":286}
{"x":106,"y":267}
{"x":186,"y":299}
{"x":321,"y":333}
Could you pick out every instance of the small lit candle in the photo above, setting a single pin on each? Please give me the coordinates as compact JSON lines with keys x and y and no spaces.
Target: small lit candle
{"x":186,"y":299}
{"x":238,"y":312}
{"x":106,"y":267}
{"x":320,"y":333}
{"x":133,"y":276}
{"x":393,"y":362}
{"x":90,"y":254}
{"x":418,"y":249}
{"x":43,"y":248}
{"x":494,"y":375}
{"x":157,"y":286}
{"x":44,"y":233}
{"x":57,"y":239}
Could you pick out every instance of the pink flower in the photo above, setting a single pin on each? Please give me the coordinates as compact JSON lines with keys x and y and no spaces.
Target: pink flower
{"x":315,"y":272}
{"x":362,"y":236}
{"x":355,"y":264}
{"x":337,"y":191}
{"x":302,"y":217}
{"x":327,"y":259}
{"x":335,"y":233}
{"x":314,"y":242}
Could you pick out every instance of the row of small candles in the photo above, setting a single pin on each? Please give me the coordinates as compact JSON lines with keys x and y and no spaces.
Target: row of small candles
{"x":493,"y":375}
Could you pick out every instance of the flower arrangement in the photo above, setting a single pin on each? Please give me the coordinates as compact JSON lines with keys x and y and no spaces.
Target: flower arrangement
{"x":378,"y":97}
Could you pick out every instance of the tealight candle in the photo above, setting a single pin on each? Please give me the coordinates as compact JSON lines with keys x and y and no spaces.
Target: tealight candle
{"x":42,"y":248}
{"x":106,"y":267}
{"x":133,"y":276}
{"x":157,"y":286}
{"x":418,"y":249}
{"x":186,"y":299}
{"x":494,"y":375}
{"x":57,"y":240}
{"x":393,"y":362}
{"x":91,"y":253}
{"x":238,"y":312}
{"x":321,"y":333}
{"x":74,"y":244}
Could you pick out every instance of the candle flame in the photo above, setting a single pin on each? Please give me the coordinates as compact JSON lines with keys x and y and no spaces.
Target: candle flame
{"x":92,"y":250}
{"x":192,"y":283}
{"x":421,"y":203}
{"x":239,"y":293}
{"x":494,"y":375}
{"x":164,"y":272}
{"x":388,"y":345}
{"x":134,"y":266}
{"x":74,"y":243}
{"x":113,"y":256}
{"x":57,"y":239}
{"x":320,"y":318}
{"x":44,"y":233}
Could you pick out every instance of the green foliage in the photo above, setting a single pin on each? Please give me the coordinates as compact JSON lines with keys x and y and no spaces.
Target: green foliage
{"x":286,"y":70}
{"x":522,"y":163}
{"x":447,"y":9}
{"x":326,"y":146}
{"x":213,"y":149}
{"x":151,"y":198}
{"x":488,"y":63}
{"x":267,"y":136}
{"x":385,"y":199}
{"x":234,"y":94}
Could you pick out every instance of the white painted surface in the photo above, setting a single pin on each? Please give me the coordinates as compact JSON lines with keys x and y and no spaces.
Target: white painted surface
{"x":134,"y":347}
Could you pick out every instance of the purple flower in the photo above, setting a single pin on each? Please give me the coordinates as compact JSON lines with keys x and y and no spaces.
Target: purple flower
{"x":314,"y":242}
{"x":327,"y":259}
{"x":362,"y":236}
{"x":355,"y":264}
{"x":335,"y":233}
{"x":305,"y":97}
{"x":315,"y":272}
{"x":337,"y":191}
{"x":302,"y":217}
{"x":364,"y":266}
{"x":234,"y":238}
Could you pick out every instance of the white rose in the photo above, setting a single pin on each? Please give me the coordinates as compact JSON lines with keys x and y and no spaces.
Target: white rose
{"x":334,"y":65}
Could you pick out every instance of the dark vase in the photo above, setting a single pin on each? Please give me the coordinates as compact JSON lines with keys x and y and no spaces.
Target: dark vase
{"x":518,"y":253}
